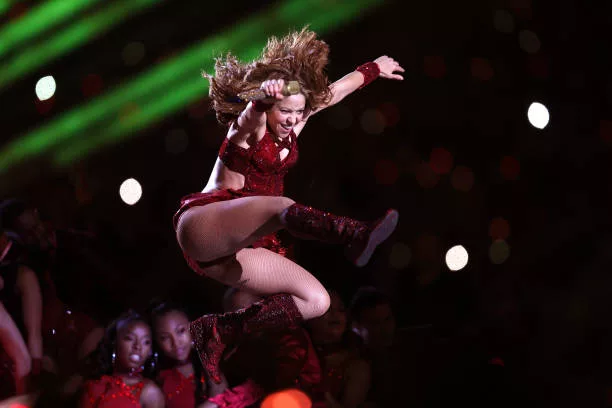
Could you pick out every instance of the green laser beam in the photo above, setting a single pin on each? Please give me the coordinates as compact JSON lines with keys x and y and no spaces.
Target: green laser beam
{"x":5,"y":5}
{"x":188,"y":90}
{"x":71,"y":37}
{"x":170,"y":86}
{"x":38,"y":20}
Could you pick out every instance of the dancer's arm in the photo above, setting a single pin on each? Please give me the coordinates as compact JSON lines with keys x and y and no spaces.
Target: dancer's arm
{"x":356,"y":79}
{"x":252,"y":120}
{"x":12,"y":342}
{"x":357,"y":384}
{"x":32,"y":312}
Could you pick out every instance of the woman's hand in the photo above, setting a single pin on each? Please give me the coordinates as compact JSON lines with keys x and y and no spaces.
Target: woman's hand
{"x":388,"y":66}
{"x":273,"y":88}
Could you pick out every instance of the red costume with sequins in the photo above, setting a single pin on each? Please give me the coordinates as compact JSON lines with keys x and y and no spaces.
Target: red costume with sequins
{"x":276,"y":360}
{"x":178,"y":389}
{"x":111,"y":392}
{"x":264,"y":174}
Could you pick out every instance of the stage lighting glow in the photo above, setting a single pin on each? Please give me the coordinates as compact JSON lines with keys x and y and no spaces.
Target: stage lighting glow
{"x":462,"y":178}
{"x":538,"y":115}
{"x":529,"y":42}
{"x":499,"y":252}
{"x":400,"y":256}
{"x":456,"y":258}
{"x":45,"y":88}
{"x":130,"y":191}
{"x":133,"y":53}
{"x":291,"y":398}
{"x":62,"y":137}
{"x":372,"y":122}
{"x":503,"y":21}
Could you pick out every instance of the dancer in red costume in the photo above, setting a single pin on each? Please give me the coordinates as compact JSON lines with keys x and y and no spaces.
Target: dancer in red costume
{"x":181,"y":378}
{"x":123,"y":377}
{"x":227,"y":231}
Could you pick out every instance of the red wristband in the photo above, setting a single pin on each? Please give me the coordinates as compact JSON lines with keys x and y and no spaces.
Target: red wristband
{"x":370,"y":72}
{"x":261,"y":106}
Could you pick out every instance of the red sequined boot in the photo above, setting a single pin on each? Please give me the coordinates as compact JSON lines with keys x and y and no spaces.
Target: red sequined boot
{"x":213,"y":333}
{"x":361,"y":238}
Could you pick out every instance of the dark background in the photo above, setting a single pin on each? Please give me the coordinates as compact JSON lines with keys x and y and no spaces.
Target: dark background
{"x":467,"y":87}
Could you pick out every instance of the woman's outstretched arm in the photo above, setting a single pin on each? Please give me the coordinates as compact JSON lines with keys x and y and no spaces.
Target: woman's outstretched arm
{"x":386,"y":68}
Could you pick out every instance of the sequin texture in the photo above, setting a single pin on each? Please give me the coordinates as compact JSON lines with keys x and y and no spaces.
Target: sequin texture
{"x":370,"y":71}
{"x":212,"y":333}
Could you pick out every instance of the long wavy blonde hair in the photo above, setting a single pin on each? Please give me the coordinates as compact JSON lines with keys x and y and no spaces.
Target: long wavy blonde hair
{"x":298,"y":56}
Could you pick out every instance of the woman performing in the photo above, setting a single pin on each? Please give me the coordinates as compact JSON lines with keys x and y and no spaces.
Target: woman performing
{"x":227,"y":232}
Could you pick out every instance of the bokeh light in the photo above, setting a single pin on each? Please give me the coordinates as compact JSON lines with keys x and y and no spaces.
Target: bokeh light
{"x":499,"y":228}
{"x":529,"y":41}
{"x":538,"y":115}
{"x":441,"y":160}
{"x":287,"y":399}
{"x":499,"y":251}
{"x":45,"y":88}
{"x":503,"y":21}
{"x":372,"y":122}
{"x":510,"y":168}
{"x":130,"y":191}
{"x":386,"y":172}
{"x":425,"y":176}
{"x":133,"y":53}
{"x":400,"y":256}
{"x":390,"y":112}
{"x":481,"y":69}
{"x":462,"y":179}
{"x":456,"y":258}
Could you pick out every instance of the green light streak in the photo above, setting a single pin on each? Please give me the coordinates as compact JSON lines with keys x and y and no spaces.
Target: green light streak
{"x":170,"y":86}
{"x":5,"y":5}
{"x":71,"y":37}
{"x":38,"y":20}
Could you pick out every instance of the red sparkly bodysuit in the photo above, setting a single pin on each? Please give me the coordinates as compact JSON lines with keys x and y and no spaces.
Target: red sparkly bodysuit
{"x":111,"y":392}
{"x":178,"y":389}
{"x":264,"y":173}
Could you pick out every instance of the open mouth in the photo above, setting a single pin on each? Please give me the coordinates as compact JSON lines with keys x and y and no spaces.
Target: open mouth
{"x":135,"y":358}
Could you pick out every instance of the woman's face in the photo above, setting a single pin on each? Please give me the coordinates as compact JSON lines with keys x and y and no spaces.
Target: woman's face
{"x":133,"y":346}
{"x":330,"y":327}
{"x":173,"y":336}
{"x":285,"y":114}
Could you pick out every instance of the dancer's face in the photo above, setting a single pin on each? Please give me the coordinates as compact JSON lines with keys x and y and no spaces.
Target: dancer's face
{"x":376,"y":326}
{"x":133,"y":345}
{"x":34,"y":233}
{"x":330,"y":327}
{"x":173,"y":336}
{"x":285,"y":114}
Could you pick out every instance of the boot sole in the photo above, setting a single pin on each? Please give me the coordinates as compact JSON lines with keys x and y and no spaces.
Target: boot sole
{"x":383,"y":229}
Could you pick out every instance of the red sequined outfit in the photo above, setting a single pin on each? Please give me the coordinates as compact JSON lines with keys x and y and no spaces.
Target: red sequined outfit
{"x":111,"y":392}
{"x":178,"y":389}
{"x":264,"y":174}
{"x":370,"y":71}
